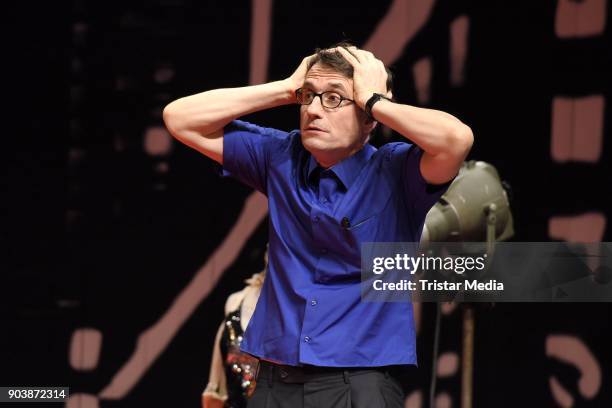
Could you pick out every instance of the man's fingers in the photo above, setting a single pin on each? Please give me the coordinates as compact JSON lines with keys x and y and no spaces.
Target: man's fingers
{"x":352,"y":51}
{"x":361,"y":55}
{"x":308,"y":58}
{"x":330,"y":50}
{"x":305,"y":60}
{"x":352,"y":59}
{"x":367,"y":54}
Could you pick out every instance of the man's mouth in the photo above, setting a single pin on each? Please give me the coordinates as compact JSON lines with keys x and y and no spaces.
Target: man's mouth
{"x":315,"y":128}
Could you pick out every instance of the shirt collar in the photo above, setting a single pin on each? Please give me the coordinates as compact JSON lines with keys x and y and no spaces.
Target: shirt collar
{"x":348,"y":169}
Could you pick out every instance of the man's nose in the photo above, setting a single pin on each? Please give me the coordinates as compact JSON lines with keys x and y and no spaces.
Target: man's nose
{"x":315,"y":108}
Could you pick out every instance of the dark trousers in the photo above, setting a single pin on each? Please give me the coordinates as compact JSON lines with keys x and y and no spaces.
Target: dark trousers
{"x":280,"y":386}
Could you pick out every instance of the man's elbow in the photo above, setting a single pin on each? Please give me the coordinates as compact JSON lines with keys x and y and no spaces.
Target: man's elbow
{"x":172,"y":119}
{"x":462,"y":139}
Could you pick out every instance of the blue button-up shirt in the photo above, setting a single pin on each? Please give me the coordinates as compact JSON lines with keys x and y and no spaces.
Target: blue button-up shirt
{"x":310,"y":309}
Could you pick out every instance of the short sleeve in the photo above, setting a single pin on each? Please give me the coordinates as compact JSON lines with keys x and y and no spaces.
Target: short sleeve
{"x":246,"y":152}
{"x":419,"y":194}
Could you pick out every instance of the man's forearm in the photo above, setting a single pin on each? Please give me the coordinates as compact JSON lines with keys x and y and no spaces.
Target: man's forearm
{"x":445,"y":140}
{"x":433,"y":131}
{"x":198,"y":120}
{"x":207,"y":112}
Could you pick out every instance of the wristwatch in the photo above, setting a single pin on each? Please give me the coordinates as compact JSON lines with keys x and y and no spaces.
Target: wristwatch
{"x":370,"y":103}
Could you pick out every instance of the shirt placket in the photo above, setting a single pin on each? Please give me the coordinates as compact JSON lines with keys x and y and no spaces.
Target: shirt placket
{"x":326,"y":192}
{"x":327,"y":188}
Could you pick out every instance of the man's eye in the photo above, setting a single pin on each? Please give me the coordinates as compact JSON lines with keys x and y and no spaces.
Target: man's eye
{"x":333,"y":98}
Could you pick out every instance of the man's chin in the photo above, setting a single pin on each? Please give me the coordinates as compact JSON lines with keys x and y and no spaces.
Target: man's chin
{"x":322,"y":152}
{"x":313,"y":143}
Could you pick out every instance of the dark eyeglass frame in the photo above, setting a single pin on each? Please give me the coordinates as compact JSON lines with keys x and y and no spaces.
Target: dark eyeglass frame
{"x":320,"y":95}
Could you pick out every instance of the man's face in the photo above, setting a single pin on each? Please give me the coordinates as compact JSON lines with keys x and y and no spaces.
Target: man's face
{"x":339,"y":131}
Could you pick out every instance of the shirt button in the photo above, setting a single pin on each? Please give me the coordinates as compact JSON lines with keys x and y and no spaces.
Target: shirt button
{"x":313,"y":302}
{"x":307,"y":339}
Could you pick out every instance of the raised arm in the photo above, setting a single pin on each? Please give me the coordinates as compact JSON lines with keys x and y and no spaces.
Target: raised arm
{"x":198,"y":120}
{"x":445,"y":140}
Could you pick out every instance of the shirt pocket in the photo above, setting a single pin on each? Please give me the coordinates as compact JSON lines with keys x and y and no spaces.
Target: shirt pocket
{"x":353,"y":237}
{"x":343,"y":261}
{"x":362,"y":230}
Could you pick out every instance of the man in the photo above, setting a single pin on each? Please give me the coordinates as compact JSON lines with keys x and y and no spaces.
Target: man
{"x":328,"y":192}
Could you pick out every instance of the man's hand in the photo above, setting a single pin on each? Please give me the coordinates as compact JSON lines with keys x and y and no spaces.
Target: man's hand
{"x":444,"y":139}
{"x":369,"y":74}
{"x":296,"y":80}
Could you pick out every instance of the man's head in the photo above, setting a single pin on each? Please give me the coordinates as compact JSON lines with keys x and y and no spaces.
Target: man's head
{"x":332,"y":134}
{"x":336,"y":62}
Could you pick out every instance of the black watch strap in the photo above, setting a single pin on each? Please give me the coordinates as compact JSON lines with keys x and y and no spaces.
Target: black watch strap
{"x":370,"y":103}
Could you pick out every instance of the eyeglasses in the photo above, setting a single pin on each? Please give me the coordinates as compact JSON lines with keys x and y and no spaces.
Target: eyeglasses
{"x":329,"y":99}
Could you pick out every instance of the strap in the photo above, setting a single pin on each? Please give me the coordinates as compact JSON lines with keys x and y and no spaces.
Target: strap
{"x":370,"y":103}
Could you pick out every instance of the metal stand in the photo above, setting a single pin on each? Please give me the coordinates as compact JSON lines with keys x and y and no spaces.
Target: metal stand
{"x":467,"y":368}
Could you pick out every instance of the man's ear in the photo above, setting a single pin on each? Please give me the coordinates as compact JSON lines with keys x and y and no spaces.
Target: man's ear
{"x":370,"y":124}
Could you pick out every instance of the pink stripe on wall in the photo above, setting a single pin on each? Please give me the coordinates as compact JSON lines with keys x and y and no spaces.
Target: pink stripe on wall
{"x":560,"y":394}
{"x":422,"y":78}
{"x":85,"y":346}
{"x":82,"y":401}
{"x":588,"y":227}
{"x":577,"y":128}
{"x":584,"y":18}
{"x":573,"y":351}
{"x":448,"y":364}
{"x":261,"y":25}
{"x":459,"y":29}
{"x":397,"y":28}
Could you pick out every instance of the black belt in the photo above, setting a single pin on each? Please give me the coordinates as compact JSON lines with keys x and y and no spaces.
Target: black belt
{"x":303,"y":374}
